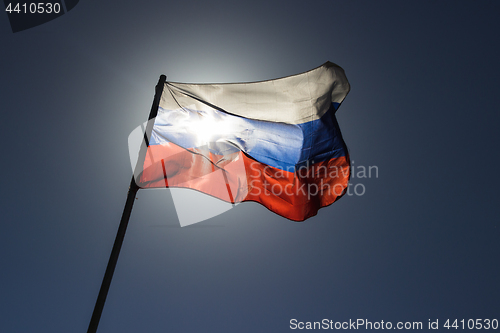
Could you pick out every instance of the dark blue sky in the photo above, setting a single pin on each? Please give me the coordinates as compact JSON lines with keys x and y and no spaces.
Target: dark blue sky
{"x":421,"y":243}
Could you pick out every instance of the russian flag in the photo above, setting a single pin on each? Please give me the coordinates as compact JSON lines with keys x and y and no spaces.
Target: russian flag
{"x":275,"y":142}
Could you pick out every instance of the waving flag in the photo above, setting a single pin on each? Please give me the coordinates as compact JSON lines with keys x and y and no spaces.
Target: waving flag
{"x":274,"y":142}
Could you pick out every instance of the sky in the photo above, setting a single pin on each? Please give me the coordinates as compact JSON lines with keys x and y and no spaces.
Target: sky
{"x":420,"y":244}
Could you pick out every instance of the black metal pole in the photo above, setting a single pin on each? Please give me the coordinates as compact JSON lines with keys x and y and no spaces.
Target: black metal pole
{"x":132,"y":191}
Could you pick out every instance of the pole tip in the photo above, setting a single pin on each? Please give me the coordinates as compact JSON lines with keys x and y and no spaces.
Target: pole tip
{"x":163,"y":78}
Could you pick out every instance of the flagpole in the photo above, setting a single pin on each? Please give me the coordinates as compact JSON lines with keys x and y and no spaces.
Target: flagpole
{"x":127,"y":210}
